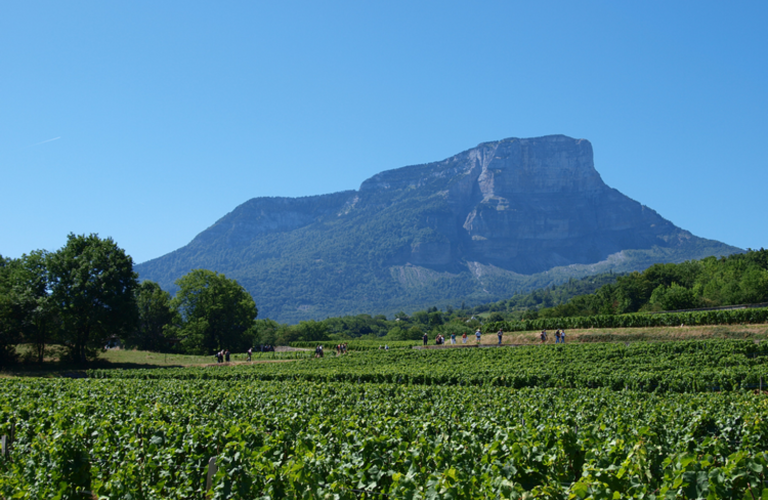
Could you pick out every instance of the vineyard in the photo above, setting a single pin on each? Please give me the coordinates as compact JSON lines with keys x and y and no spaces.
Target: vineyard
{"x":694,"y":366}
{"x":603,"y":421}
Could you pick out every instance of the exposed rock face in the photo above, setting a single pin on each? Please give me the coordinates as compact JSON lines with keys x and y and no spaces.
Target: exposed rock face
{"x":480,"y":225}
{"x":526,"y":205}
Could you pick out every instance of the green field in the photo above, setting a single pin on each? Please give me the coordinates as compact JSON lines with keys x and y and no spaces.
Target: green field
{"x":608,"y":420}
{"x":130,"y":359}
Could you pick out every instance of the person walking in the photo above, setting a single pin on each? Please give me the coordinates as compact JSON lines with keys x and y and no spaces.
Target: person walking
{"x":425,"y":338}
{"x":562,"y":336}
{"x":453,"y":338}
{"x":477,"y":334}
{"x":500,"y":334}
{"x":464,"y":338}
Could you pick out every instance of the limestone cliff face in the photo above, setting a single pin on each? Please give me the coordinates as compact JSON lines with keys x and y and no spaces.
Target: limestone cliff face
{"x":504,"y":216}
{"x":525,"y":205}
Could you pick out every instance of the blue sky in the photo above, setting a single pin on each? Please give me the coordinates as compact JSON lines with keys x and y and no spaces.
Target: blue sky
{"x":148,"y":121}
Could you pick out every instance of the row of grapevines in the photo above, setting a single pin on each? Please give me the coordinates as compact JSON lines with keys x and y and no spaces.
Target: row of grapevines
{"x":120,"y":439}
{"x":357,"y":345}
{"x":685,"y":366}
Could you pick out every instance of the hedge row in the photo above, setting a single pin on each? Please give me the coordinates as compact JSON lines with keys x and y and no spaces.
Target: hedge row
{"x":636,"y":320}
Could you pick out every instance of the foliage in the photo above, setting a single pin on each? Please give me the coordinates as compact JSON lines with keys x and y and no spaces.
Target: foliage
{"x":311,"y":331}
{"x":10,"y":313}
{"x":299,"y":439}
{"x":457,"y":328}
{"x":156,"y":316}
{"x":685,"y":366}
{"x":92,"y":285}
{"x":637,"y":320}
{"x":545,"y":297}
{"x":41,"y":320}
{"x":736,"y":279}
{"x":215,"y":313}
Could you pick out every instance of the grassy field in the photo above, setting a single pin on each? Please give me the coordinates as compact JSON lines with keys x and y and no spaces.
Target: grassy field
{"x":118,"y":358}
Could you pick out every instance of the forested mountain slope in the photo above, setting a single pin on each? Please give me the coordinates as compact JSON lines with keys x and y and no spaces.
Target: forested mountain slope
{"x":706,"y":283}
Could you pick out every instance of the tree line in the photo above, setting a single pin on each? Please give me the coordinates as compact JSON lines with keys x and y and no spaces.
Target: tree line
{"x":86,"y":296}
{"x":706,"y":283}
{"x":709,"y":282}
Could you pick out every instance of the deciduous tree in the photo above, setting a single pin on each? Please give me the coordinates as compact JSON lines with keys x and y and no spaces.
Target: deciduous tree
{"x":92,"y":285}
{"x":216,"y":312}
{"x":10,"y":316}
{"x":41,"y":320}
{"x":155,"y":318}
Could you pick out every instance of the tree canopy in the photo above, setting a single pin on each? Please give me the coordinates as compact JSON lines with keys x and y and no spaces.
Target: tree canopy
{"x":92,"y":285}
{"x":40,"y":319}
{"x":155,"y":317}
{"x":10,"y":325}
{"x":215,"y":312}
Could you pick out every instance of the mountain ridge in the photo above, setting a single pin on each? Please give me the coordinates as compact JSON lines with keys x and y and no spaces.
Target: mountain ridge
{"x":492,"y":220}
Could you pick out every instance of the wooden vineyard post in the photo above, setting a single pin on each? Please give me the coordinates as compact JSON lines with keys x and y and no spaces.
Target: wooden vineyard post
{"x":211,"y":472}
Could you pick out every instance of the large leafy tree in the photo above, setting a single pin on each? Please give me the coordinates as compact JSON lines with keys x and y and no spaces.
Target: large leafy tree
{"x":10,"y":313}
{"x":40,"y":316}
{"x":216,"y":312}
{"x":155,"y":318}
{"x":92,"y":284}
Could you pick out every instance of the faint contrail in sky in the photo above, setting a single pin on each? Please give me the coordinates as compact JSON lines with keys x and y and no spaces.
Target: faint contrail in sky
{"x":49,"y":140}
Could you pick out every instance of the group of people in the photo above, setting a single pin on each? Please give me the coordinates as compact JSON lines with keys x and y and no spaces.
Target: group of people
{"x":319,"y":351}
{"x":341,"y":349}
{"x":559,"y":336}
{"x":440,"y":338}
{"x":222,"y":356}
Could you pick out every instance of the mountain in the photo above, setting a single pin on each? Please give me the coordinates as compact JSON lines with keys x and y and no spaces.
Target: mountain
{"x":504,"y":217}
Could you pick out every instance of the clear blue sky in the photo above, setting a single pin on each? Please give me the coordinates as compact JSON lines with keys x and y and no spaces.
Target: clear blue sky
{"x":148,"y":121}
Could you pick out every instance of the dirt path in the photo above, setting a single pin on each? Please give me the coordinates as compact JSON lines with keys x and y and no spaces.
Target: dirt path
{"x":656,"y":334}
